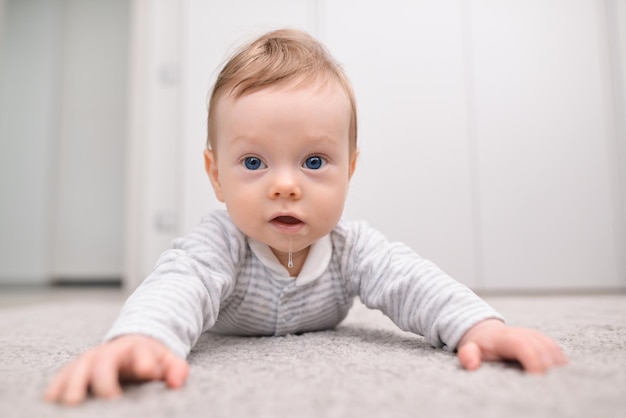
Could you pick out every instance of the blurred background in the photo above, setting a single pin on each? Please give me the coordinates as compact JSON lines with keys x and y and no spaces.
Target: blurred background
{"x":492,"y":133}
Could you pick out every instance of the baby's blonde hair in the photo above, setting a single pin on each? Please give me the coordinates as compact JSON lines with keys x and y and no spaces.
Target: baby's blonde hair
{"x":280,"y":56}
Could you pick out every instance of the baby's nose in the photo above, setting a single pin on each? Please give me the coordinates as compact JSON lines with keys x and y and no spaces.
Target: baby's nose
{"x":285,"y":185}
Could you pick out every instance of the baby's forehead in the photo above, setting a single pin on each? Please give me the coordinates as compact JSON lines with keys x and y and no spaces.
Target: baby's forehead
{"x":318,"y":102}
{"x":326,"y":97}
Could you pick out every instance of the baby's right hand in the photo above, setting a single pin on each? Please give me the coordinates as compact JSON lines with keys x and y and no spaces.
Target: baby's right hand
{"x":130,"y":357}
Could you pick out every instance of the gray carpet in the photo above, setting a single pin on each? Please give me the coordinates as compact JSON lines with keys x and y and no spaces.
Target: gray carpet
{"x":364,"y":368}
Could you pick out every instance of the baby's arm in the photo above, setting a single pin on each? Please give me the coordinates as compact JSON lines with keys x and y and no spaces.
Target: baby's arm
{"x":130,"y":357}
{"x":492,"y":340}
{"x":421,"y":298}
{"x":179,"y":299}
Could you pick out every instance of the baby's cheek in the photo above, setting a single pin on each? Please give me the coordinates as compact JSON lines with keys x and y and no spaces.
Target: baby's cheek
{"x":332,"y":206}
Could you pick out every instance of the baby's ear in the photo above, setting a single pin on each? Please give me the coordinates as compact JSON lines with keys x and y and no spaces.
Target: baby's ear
{"x":353,"y":158}
{"x":210,"y":165}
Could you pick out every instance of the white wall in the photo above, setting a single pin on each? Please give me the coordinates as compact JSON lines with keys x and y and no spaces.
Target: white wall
{"x":88,"y":209}
{"x":28,"y":95}
{"x":545,"y":145}
{"x":616,"y":25}
{"x":152,"y":198}
{"x":63,"y":71}
{"x":2,"y":17}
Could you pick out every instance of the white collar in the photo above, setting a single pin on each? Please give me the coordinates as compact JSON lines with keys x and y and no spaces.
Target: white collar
{"x":315,"y":264}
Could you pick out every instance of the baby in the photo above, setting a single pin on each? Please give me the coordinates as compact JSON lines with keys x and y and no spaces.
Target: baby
{"x":281,"y":152}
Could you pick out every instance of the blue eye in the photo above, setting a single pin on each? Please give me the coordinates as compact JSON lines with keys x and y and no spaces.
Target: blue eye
{"x":253,"y":163}
{"x":314,"y":163}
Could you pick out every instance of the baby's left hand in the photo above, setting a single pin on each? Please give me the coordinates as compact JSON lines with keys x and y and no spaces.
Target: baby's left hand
{"x":492,"y":340}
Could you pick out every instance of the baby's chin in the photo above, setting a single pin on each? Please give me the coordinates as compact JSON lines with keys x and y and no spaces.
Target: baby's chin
{"x":291,"y":245}
{"x":284,"y":243}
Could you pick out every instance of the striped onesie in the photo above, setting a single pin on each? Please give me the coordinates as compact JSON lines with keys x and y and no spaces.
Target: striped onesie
{"x":216,"y":279}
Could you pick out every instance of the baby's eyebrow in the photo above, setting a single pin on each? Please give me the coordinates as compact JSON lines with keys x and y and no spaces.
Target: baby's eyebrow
{"x":322,"y":138}
{"x":243,"y":140}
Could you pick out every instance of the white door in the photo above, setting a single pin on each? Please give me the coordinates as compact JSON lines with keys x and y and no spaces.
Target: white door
{"x":546,"y":145}
{"x":63,"y":75}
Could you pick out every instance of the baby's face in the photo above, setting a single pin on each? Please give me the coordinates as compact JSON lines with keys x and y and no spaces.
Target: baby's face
{"x":282,"y":162}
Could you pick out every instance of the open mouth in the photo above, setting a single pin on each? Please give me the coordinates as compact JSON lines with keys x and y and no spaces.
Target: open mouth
{"x":287,"y":220}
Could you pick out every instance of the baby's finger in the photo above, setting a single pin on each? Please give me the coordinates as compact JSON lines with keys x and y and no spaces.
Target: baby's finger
{"x":470,"y":356}
{"x":176,"y":370}
{"x":522,"y":349}
{"x":105,"y":375}
{"x":552,"y":353}
{"x":143,"y":365}
{"x":561,"y":357}
{"x":77,"y":381}
{"x":57,"y":384}
{"x":545,"y":350}
{"x":537,"y":343}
